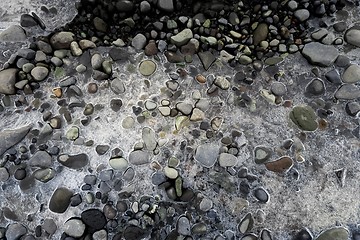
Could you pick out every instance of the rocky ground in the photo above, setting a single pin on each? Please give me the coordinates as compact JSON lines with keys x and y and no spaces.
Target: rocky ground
{"x":169,"y":119}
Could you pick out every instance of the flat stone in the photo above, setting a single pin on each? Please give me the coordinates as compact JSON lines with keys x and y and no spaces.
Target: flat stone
{"x":94,"y":219}
{"x":302,"y":14}
{"x":39,"y":73}
{"x":227,"y":160}
{"x":49,"y":226}
{"x":352,"y":36}
{"x":8,"y":80}
{"x":197,"y":115}
{"x":139,"y":157}
{"x":261,"y":195}
{"x":15,"y":231}
{"x":13,"y":33}
{"x":351,"y":74}
{"x":44,"y":175}
{"x":76,"y":161}
{"x":120,"y":163}
{"x":60,"y":200}
{"x":74,"y":227}
{"x":149,"y":138}
{"x":280,"y":165}
{"x":147,"y":67}
{"x":182,"y":37}
{"x":336,"y":233}
{"x":73,"y":133}
{"x":278,"y":88}
{"x":260,"y":33}
{"x":347,"y":92}
{"x":333,"y":76}
{"x":11,"y":137}
{"x":62,"y":40}
{"x":170,"y":172}
{"x":40,"y":159}
{"x":304,"y":117}
{"x":246,"y":223}
{"x":207,"y":154}
{"x":183,"y":226}
{"x":166,"y":5}
{"x":320,"y":54}
{"x":207,"y":59}
{"x":315,"y":87}
{"x":139,"y":41}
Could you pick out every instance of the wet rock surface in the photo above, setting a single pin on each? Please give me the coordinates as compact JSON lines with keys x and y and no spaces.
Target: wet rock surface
{"x":180,"y":120}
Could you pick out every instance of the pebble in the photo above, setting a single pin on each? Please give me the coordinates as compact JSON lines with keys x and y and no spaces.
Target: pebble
{"x":171,"y":172}
{"x":115,"y":104}
{"x":351,"y":74}
{"x":117,"y":86}
{"x":315,"y":87}
{"x":165,"y":5}
{"x":246,"y":224}
{"x":94,"y":219}
{"x":49,"y":226}
{"x":139,"y":157}
{"x":227,"y":160}
{"x":347,"y":92}
{"x":7,"y":80}
{"x":4,"y":174}
{"x":352,"y":36}
{"x":197,"y":115}
{"x":15,"y":231}
{"x":183,"y":226}
{"x":207,"y":59}
{"x":102,"y":149}
{"x":13,"y":33}
{"x":86,"y":44}
{"x":73,"y":133}
{"x":205,"y":204}
{"x":184,"y":108}
{"x":147,"y":67}
{"x":60,"y":200}
{"x":92,"y":88}
{"x":320,"y":54}
{"x":74,"y":227}
{"x":261,"y":195}
{"x":302,"y":14}
{"x":207,"y":154}
{"x":75,"y":49}
{"x":40,"y":159}
{"x":333,"y":76}
{"x":278,"y":88}
{"x":222,"y":82}
{"x":280,"y":165}
{"x":335,"y":233}
{"x":139,"y":41}
{"x":62,"y":40}
{"x":149,"y":138}
{"x":261,"y":154}
{"x":304,"y":117}
{"x":44,"y":175}
{"x":76,"y":161}
{"x":128,"y":122}
{"x":352,"y":108}
{"x":303,"y":234}
{"x":120,"y":163}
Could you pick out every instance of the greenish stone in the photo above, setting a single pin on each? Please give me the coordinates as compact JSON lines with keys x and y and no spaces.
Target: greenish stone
{"x":107,"y":66}
{"x":304,"y":117}
{"x":337,"y":233}
{"x":147,"y":67}
{"x":178,"y":186}
{"x":73,"y":133}
{"x":273,"y":60}
{"x":59,"y":72}
{"x":173,"y":162}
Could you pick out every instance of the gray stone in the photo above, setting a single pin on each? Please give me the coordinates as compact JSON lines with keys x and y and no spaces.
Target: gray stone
{"x":347,"y":92}
{"x":117,"y":86}
{"x":227,"y":160}
{"x":206,"y":154}
{"x":182,"y":37}
{"x":8,"y":80}
{"x":320,"y":54}
{"x":4,"y":174}
{"x":11,"y":137}
{"x":336,"y":233}
{"x":40,"y":159}
{"x":139,"y":157}
{"x":166,"y":5}
{"x":68,"y":81}
{"x":13,"y":33}
{"x":96,"y":61}
{"x":183,"y":226}
{"x":302,"y":14}
{"x":315,"y":87}
{"x":62,"y":40}
{"x":184,"y":108}
{"x":222,"y":82}
{"x":100,"y":25}
{"x":149,"y":138}
{"x":139,"y":41}
{"x":76,"y":161}
{"x":60,"y":200}
{"x":145,"y":7}
{"x":352,"y":36}
{"x":351,"y":74}
{"x":120,"y":163}
{"x":27,"y":53}
{"x":278,"y":88}
{"x":44,"y":175}
{"x":260,"y":33}
{"x":39,"y":73}
{"x":206,"y":204}
{"x":15,"y":231}
{"x":74,"y":227}
{"x":207,"y":59}
{"x":100,"y":235}
{"x":49,"y":226}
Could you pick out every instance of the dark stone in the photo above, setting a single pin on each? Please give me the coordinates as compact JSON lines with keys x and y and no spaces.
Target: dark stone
{"x":115,"y":104}
{"x":118,"y":54}
{"x":74,"y":161}
{"x":60,"y":200}
{"x":94,"y":219}
{"x":27,"y":20}
{"x":134,"y":233}
{"x":303,"y":234}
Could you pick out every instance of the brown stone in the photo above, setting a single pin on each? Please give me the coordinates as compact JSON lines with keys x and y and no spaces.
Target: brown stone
{"x":200,"y":78}
{"x":280,"y":165}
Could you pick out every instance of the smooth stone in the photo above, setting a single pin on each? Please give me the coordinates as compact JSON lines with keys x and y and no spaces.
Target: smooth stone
{"x":304,"y":117}
{"x":278,"y":88}
{"x":120,"y":163}
{"x":102,"y":149}
{"x":115,"y":104}
{"x":60,"y":200}
{"x":280,"y":165}
{"x":86,"y":44}
{"x":222,"y":82}
{"x":246,"y":224}
{"x":44,"y":175}
{"x":183,"y":226}
{"x":303,"y":234}
{"x":11,"y":137}
{"x":165,"y":5}
{"x":119,"y":54}
{"x":68,"y":81}
{"x":149,"y":138}
{"x":261,"y":154}
{"x":302,"y":14}
{"x":4,"y":174}
{"x":62,"y":40}
{"x":333,"y":76}
{"x":76,"y":161}
{"x":128,"y":122}
{"x":197,"y":115}
{"x":139,"y":41}
{"x":150,"y":105}
{"x":182,"y":37}
{"x":40,"y":159}
{"x":74,"y":227}
{"x":139,"y":157}
{"x":207,"y":59}
{"x":96,"y":61}
{"x":100,"y":25}
{"x":320,"y":54}
{"x":94,"y":219}
{"x":352,"y":36}
{"x":15,"y":231}
{"x":13,"y":33}
{"x":261,"y":195}
{"x":75,"y":49}
{"x":27,"y":67}
{"x":100,"y":235}
{"x":49,"y":226}
{"x":184,"y":108}
{"x":73,"y":133}
{"x":8,"y":80}
{"x":207,"y":154}
{"x":336,"y":233}
{"x":260,"y":33}
{"x":171,"y":173}
{"x":44,"y":47}
{"x":134,"y":232}
{"x":199,"y":228}
{"x":117,"y":86}
{"x":347,"y":92}
{"x":147,"y":67}
{"x":315,"y":87}
{"x":351,"y":74}
{"x":39,"y":73}
{"x":227,"y":160}
{"x":206,"y":204}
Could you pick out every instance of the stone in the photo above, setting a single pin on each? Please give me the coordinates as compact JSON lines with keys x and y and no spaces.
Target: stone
{"x":261,"y":154}
{"x":304,"y":117}
{"x":206,"y":204}
{"x":60,"y":200}
{"x":170,"y":172}
{"x":102,"y":149}
{"x":280,"y":165}
{"x":100,"y":235}
{"x":62,"y":40}
{"x":74,"y":227}
{"x":139,"y":41}
{"x":183,"y":226}
{"x":207,"y":154}
{"x":100,"y":25}
{"x":49,"y":226}
{"x":4,"y":174}
{"x":302,"y":14}
{"x":8,"y":80}
{"x":222,"y":82}
{"x":73,"y":133}
{"x":149,"y":138}
{"x":166,"y":5}
{"x":120,"y":163}
{"x":207,"y":59}
{"x":134,"y":232}
{"x":94,"y":219}
{"x":303,"y":234}
{"x":39,"y":73}
{"x":75,"y":49}
{"x":352,"y":108}
{"x":40,"y":159}
{"x":118,"y":54}
{"x":128,"y":122}
{"x":278,"y":88}
{"x":352,"y":36}
{"x":182,"y":37}
{"x":351,"y":74}
{"x":11,"y":137}
{"x":320,"y":54}
{"x":86,"y":44}
{"x":184,"y":108}
{"x":261,"y":195}
{"x":13,"y":33}
{"x":44,"y":175}
{"x":76,"y":161}
{"x":15,"y":231}
{"x":115,"y":104}
{"x":197,"y":115}
{"x":145,"y":7}
{"x":68,"y":81}
{"x":336,"y":233}
{"x":227,"y":160}
{"x":147,"y":67}
{"x":246,"y":224}
{"x":333,"y":76}
{"x":260,"y":33}
{"x":139,"y":157}
{"x":315,"y":87}
{"x":347,"y":92}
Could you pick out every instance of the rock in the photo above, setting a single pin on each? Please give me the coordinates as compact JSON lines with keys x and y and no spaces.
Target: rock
{"x":302,"y":14}
{"x":351,"y":74}
{"x":49,"y":226}
{"x":170,"y":172}
{"x":115,"y":104}
{"x":60,"y":200}
{"x":100,"y":235}
{"x":261,"y":154}
{"x":4,"y":174}
{"x":166,"y":5}
{"x":304,"y":117}
{"x":206,"y":154}
{"x":128,"y":122}
{"x":145,"y":7}
{"x":149,"y":138}
{"x":182,"y":37}
{"x":102,"y":149}
{"x":139,"y":157}
{"x":118,"y":54}
{"x":315,"y":87}
{"x":207,"y":59}
{"x":246,"y":224}
{"x":336,"y":233}
{"x":75,"y":49}
{"x":13,"y":33}
{"x":278,"y":88}
{"x":94,"y":219}
{"x":197,"y":115}
{"x":222,"y":82}
{"x":147,"y":67}
{"x":62,"y":40}
{"x":96,"y":61}
{"x":352,"y":108}
{"x":73,"y":133}
{"x":8,"y":80}
{"x":227,"y":160}
{"x":333,"y":76}
{"x":280,"y":165}
{"x":15,"y":231}
{"x":120,"y":163}
{"x":68,"y":81}
{"x":134,"y":232}
{"x":100,"y":25}
{"x":261,"y":195}
{"x":39,"y":73}
{"x":183,"y":226}
{"x":11,"y":137}
{"x":139,"y":41}
{"x":260,"y":33}
{"x":44,"y":175}
{"x":347,"y":92}
{"x":86,"y":44}
{"x":76,"y":161}
{"x":352,"y":36}
{"x":151,"y":48}
{"x":320,"y":54}
{"x":74,"y":227}
{"x":40,"y":159}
